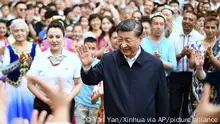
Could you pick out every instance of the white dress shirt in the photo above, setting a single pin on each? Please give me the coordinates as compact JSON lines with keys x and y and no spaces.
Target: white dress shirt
{"x":68,"y":69}
{"x":180,"y":41}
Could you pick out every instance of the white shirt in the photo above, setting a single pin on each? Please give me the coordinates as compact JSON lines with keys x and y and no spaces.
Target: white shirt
{"x":68,"y":69}
{"x":214,"y":7}
{"x":180,"y":41}
{"x":132,"y":60}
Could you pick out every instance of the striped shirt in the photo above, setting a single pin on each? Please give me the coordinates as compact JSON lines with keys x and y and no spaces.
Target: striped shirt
{"x":193,"y":39}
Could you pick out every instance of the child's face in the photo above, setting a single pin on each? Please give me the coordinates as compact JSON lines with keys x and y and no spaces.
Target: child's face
{"x":3,"y":29}
{"x":92,"y":47}
{"x":69,"y":31}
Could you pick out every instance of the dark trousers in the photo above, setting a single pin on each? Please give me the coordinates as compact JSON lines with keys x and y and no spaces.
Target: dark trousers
{"x":41,"y":106}
{"x":180,"y":83}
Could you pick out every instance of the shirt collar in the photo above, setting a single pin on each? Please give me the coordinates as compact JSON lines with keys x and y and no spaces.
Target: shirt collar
{"x":141,"y":57}
{"x":49,"y":54}
{"x":190,"y":34}
{"x":135,"y":57}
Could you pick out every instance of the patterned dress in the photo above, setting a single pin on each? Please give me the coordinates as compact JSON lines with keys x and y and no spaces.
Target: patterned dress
{"x":21,"y":100}
{"x":197,"y":85}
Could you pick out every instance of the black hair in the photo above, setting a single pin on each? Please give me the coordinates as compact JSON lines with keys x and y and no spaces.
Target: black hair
{"x":76,"y":6}
{"x":192,"y":12}
{"x":199,"y":4}
{"x":210,"y":19}
{"x":206,"y":3}
{"x":30,"y":6}
{"x":67,"y":11}
{"x":20,"y":2}
{"x":174,"y":1}
{"x":52,"y":4}
{"x":77,"y":24}
{"x":91,"y":17}
{"x":50,"y":14}
{"x":3,"y":21}
{"x":188,"y":6}
{"x":89,"y":40}
{"x":138,"y":12}
{"x":39,"y":2}
{"x":57,"y":24}
{"x":44,"y":7}
{"x":111,"y":31}
{"x":103,"y":33}
{"x":145,"y":19}
{"x":82,"y":18}
{"x":130,"y":25}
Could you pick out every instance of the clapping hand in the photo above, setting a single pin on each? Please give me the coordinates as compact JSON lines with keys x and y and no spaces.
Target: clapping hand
{"x":85,"y":55}
{"x":199,"y":60}
{"x":209,"y":52}
{"x":185,"y":51}
{"x":157,"y":54}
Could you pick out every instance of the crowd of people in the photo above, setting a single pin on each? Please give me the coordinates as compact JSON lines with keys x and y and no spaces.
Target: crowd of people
{"x":105,"y":61}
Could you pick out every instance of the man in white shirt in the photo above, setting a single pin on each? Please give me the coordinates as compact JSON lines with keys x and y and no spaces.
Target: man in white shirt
{"x":181,"y":79}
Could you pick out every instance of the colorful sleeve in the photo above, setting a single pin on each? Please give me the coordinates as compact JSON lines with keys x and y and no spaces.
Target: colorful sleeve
{"x":10,"y":68}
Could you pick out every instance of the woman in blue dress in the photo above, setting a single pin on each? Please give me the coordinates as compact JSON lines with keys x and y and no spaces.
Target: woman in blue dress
{"x":16,"y":62}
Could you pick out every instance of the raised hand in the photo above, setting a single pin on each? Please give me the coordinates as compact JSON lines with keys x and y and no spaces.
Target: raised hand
{"x":157,"y":54}
{"x":206,"y":109}
{"x":199,"y":59}
{"x":85,"y":55}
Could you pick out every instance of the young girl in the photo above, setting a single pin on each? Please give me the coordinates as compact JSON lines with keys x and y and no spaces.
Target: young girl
{"x":98,"y":92}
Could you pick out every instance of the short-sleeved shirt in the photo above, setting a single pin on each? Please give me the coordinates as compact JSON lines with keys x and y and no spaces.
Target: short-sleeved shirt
{"x":68,"y":69}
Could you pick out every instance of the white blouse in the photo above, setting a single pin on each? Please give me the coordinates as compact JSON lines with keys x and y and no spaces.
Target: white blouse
{"x":68,"y":69}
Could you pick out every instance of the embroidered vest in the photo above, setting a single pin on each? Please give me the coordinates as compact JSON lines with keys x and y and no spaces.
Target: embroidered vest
{"x":14,"y":77}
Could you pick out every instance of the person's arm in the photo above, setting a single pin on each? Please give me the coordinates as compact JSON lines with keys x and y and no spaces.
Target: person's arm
{"x":8,"y":67}
{"x":215,"y":62}
{"x":3,"y":104}
{"x":162,"y":99}
{"x":200,"y":73}
{"x":114,"y":12}
{"x":76,"y":89}
{"x":76,"y":77}
{"x":32,"y":31}
{"x":95,"y":95}
{"x":167,"y":65}
{"x":172,"y":57}
{"x":93,"y":75}
{"x":179,"y":56}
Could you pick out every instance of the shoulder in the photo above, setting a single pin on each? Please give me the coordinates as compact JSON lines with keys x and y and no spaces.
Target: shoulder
{"x":73,"y":57}
{"x":197,"y":35}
